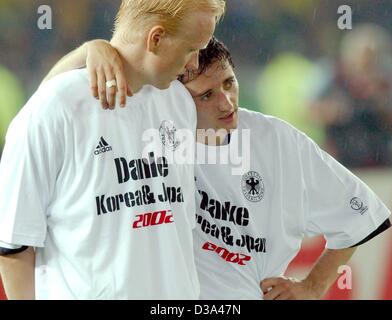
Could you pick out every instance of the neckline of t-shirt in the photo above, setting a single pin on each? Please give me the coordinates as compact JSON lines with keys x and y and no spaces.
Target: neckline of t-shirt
{"x":232,"y":135}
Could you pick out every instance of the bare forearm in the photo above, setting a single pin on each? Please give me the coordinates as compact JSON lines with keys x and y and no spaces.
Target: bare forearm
{"x":325,"y":271}
{"x":73,"y":60}
{"x":17,"y":274}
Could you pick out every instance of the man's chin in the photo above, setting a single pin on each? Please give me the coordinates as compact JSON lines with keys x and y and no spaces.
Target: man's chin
{"x":229,"y":128}
{"x":162,"y":85}
{"x":225,"y":129}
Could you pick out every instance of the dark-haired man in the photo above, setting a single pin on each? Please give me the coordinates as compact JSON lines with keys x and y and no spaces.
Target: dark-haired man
{"x":250,"y":226}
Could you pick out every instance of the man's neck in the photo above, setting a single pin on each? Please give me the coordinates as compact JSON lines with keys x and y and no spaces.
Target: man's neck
{"x":216,"y":139}
{"x":132,"y":65}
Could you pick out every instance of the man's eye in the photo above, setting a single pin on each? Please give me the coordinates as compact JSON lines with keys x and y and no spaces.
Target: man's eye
{"x":206,"y":96}
{"x":229,"y":84}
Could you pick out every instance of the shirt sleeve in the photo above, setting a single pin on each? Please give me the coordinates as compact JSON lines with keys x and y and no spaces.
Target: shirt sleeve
{"x":338,"y":204}
{"x":29,"y":166}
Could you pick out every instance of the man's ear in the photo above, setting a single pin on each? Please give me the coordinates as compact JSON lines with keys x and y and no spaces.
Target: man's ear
{"x":155,"y":37}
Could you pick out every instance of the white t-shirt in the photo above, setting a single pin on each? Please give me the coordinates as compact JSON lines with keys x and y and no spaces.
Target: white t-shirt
{"x":250,"y":226}
{"x":73,"y":183}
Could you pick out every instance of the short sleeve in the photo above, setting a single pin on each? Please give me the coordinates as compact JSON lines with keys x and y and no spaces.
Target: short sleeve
{"x":28,"y":169}
{"x":338,"y":204}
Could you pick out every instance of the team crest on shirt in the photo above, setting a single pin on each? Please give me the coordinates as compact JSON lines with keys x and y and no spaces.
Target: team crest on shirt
{"x":167,"y":132}
{"x":252,"y":186}
{"x":357,"y":205}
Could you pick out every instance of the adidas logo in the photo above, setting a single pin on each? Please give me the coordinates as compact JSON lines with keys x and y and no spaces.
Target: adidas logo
{"x":102,"y":147}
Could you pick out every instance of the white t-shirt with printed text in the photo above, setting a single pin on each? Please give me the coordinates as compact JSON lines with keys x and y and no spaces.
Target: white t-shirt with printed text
{"x":106,"y":224}
{"x":250,"y":226}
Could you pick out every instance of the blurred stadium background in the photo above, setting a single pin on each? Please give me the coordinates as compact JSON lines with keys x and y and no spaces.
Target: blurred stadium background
{"x":292,"y":61}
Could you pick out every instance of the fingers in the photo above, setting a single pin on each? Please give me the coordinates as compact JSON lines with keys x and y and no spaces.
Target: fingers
{"x":122,"y":88}
{"x":281,"y":288}
{"x":94,"y":84}
{"x":104,"y":64}
{"x":129,"y":91}
{"x":269,"y":283}
{"x":284,"y":296}
{"x":110,"y":92}
{"x":274,"y":293}
{"x":102,"y":88}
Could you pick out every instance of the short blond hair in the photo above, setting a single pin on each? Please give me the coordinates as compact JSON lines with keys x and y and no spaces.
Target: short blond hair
{"x":140,"y":15}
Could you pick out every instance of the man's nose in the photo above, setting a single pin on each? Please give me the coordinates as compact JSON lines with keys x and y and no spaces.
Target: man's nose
{"x":225,"y":102}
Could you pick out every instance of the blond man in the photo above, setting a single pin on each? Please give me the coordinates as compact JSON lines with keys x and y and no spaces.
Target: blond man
{"x":88,"y":209}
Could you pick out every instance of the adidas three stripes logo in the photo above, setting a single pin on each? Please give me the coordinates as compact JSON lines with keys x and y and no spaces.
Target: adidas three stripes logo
{"x":102,"y":147}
